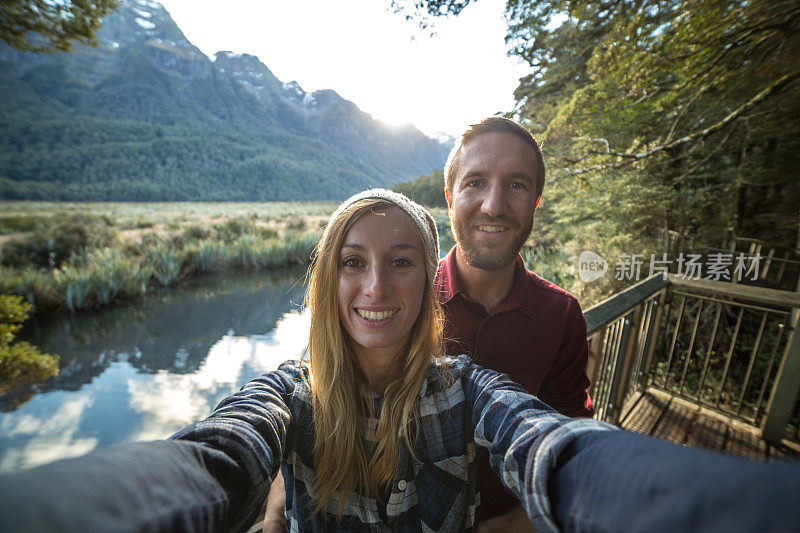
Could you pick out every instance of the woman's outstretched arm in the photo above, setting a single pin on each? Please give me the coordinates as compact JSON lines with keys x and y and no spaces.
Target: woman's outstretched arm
{"x":583,"y":475}
{"x":211,"y":476}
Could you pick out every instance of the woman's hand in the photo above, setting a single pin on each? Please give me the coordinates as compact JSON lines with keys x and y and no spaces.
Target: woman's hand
{"x":274,"y":518}
{"x":514,"y":520}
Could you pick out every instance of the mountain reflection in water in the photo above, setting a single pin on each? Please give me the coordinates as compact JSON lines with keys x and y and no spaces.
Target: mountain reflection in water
{"x":142,"y":371}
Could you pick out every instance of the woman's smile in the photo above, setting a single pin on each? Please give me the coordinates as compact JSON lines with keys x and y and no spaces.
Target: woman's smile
{"x":381,"y":277}
{"x":378,"y":317}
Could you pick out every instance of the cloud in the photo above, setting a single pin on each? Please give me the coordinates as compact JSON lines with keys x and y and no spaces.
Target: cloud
{"x":49,"y":437}
{"x":168,"y":402}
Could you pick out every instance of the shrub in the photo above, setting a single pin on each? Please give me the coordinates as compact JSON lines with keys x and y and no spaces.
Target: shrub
{"x":107,"y":272}
{"x":20,"y":363}
{"x":53,"y":245}
{"x":232,"y":229}
{"x":73,"y":285}
{"x":195,"y":233}
{"x":165,"y":263}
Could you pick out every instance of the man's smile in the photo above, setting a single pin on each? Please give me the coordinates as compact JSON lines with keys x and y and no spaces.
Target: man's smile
{"x":491,"y":229}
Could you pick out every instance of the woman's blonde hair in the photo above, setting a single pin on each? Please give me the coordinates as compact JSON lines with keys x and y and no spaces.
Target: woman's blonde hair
{"x":344,"y":462}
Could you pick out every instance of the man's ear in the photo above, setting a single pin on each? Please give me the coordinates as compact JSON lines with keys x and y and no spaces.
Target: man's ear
{"x":449,"y":197}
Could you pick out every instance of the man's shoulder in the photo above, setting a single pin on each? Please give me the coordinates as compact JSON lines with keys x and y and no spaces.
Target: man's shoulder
{"x":546,"y":291}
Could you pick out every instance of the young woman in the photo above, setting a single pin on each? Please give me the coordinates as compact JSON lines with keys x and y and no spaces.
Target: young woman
{"x":379,"y":429}
{"x":378,"y":432}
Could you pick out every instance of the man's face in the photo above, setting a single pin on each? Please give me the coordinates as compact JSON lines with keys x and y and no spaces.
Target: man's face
{"x":493,"y":198}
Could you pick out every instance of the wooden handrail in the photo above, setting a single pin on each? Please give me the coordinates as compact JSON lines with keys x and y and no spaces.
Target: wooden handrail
{"x":614,"y":307}
{"x":735,"y":290}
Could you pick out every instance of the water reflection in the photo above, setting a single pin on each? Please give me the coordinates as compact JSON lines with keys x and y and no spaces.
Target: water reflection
{"x":142,"y":372}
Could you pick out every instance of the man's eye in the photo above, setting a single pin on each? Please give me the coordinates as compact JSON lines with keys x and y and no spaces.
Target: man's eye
{"x":518,"y":185}
{"x":473,"y":183}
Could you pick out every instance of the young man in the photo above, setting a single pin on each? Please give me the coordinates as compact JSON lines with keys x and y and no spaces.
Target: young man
{"x":506,"y":317}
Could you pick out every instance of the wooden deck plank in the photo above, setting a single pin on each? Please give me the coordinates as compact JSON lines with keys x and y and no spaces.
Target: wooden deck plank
{"x":707,"y":432}
{"x":675,"y":423}
{"x":745,"y":442}
{"x":662,"y":415}
{"x":645,"y":414}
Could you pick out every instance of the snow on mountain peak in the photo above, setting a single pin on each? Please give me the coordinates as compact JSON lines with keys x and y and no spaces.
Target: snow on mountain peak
{"x":143,"y":14}
{"x":147,"y":3}
{"x":145,"y":24}
{"x":293,"y":86}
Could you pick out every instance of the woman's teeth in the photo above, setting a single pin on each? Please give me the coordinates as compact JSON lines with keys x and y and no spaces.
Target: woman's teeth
{"x":376,"y":315}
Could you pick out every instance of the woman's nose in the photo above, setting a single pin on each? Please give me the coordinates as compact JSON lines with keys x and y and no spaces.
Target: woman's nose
{"x":377,"y":282}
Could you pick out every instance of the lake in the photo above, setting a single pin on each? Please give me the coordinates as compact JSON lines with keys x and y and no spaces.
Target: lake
{"x":142,"y":370}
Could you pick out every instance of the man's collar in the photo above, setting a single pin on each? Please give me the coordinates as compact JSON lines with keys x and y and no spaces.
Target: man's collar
{"x":448,"y":284}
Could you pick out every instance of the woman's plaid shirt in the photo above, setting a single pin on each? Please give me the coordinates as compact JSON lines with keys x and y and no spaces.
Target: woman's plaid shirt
{"x":462,"y":407}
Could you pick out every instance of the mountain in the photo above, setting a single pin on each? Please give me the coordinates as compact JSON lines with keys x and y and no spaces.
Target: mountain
{"x":146,"y":115}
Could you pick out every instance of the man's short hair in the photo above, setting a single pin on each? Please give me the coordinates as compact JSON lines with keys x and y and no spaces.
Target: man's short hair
{"x":491,"y":125}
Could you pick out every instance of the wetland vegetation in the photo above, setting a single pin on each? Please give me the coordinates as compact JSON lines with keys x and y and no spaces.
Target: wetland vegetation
{"x":66,"y":257}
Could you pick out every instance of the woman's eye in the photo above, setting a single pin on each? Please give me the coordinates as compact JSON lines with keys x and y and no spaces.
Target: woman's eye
{"x":401,"y":262}
{"x":351,"y":262}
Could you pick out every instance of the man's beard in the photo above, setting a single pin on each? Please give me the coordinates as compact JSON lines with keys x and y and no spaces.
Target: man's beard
{"x":494,"y":259}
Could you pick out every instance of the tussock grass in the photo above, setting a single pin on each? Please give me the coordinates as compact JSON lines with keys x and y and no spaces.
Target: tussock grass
{"x":79,"y":256}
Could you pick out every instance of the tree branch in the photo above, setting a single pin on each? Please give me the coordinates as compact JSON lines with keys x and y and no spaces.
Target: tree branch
{"x":773,"y":89}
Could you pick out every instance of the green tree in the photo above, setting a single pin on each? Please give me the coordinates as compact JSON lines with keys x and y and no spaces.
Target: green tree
{"x":683,"y":110}
{"x":426,"y":190}
{"x":56,"y":23}
{"x":21,"y":362}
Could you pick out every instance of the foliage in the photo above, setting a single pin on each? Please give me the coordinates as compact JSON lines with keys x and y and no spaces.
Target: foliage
{"x":116,"y":252}
{"x":549,"y":263}
{"x":658,"y":115}
{"x":427,"y":190}
{"x":20,"y":362}
{"x":51,"y":244}
{"x":446,"y":239}
{"x":696,"y":98}
{"x":57,"y":24}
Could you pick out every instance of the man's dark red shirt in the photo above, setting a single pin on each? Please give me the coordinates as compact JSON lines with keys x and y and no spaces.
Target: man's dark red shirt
{"x":536,"y":335}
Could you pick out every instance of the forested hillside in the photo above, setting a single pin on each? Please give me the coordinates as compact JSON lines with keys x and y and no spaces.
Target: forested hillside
{"x":146,"y":116}
{"x":427,"y":189}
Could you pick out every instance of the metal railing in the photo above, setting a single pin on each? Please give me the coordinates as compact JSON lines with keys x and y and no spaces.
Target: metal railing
{"x":621,"y":332}
{"x":761,"y":263}
{"x":725,"y":346}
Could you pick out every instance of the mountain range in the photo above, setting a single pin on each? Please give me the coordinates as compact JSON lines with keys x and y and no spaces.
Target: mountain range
{"x":147,"y":116}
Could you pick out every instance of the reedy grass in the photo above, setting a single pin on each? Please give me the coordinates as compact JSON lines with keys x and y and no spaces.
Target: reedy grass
{"x":107,"y":273}
{"x":73,"y":285}
{"x":165,"y":262}
{"x":118,"y":268}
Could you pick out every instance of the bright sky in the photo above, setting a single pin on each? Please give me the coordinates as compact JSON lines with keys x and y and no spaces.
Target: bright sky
{"x":369,"y":55}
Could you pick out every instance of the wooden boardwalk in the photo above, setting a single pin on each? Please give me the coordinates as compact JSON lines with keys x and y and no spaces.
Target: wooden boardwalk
{"x":667,"y":417}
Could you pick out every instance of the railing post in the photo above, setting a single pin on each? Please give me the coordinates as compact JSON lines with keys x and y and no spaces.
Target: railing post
{"x":595,"y":345}
{"x":659,"y":302}
{"x":787,"y":386}
{"x":623,"y":369}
